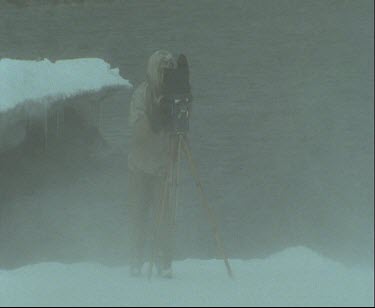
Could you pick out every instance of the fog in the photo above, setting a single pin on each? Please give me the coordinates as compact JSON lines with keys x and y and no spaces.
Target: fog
{"x":281,"y":130}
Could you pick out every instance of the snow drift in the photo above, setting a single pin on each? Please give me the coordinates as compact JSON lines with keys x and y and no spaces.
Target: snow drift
{"x":294,"y":277}
{"x":42,"y":81}
{"x":30,"y":88}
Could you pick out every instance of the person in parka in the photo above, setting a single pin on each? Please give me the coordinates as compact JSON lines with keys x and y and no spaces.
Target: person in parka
{"x":148,"y":162}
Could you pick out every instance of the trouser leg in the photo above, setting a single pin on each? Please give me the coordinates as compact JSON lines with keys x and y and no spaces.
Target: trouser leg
{"x":164,"y":224}
{"x":146,"y":192}
{"x":166,"y":243}
{"x":138,"y":214}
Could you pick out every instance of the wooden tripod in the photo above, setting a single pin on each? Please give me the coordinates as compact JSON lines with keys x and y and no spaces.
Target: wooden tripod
{"x":179,"y":141}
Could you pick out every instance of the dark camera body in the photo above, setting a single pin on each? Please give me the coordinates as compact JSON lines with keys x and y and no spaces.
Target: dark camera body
{"x":176,"y":96}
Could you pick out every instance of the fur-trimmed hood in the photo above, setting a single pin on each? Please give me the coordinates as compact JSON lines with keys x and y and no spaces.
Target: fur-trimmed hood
{"x":158,"y":60}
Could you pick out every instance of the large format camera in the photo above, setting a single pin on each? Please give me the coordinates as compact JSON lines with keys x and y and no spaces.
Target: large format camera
{"x":176,"y":96}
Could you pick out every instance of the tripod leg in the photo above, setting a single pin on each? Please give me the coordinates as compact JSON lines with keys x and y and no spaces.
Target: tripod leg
{"x":210,"y":212}
{"x":159,"y":215}
{"x":168,"y":227}
{"x":175,"y":183}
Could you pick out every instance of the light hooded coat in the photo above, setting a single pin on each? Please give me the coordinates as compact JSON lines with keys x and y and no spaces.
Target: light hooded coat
{"x":149,"y":151}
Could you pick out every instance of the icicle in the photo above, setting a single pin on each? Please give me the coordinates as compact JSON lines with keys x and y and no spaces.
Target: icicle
{"x":45,"y":125}
{"x":27,"y":120}
{"x":62,"y":116}
{"x":100,"y":116}
{"x":57,"y":121}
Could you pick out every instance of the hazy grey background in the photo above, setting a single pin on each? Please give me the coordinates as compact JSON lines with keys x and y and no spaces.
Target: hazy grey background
{"x":282,"y":128}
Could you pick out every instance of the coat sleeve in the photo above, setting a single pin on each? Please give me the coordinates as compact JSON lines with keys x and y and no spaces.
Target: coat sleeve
{"x":138,"y":120}
{"x":137,"y":105}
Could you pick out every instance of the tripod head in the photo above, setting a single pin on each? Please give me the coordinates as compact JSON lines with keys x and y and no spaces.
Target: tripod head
{"x":176,"y":96}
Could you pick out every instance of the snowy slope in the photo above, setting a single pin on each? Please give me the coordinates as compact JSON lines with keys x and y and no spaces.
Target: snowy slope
{"x":293,"y":277}
{"x":23,"y":80}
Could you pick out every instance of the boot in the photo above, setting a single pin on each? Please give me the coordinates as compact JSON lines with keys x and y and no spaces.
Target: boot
{"x":135,"y":271}
{"x":166,"y":272}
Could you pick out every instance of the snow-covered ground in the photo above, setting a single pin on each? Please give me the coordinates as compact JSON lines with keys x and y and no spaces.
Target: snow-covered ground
{"x":23,"y":80}
{"x":294,"y":277}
